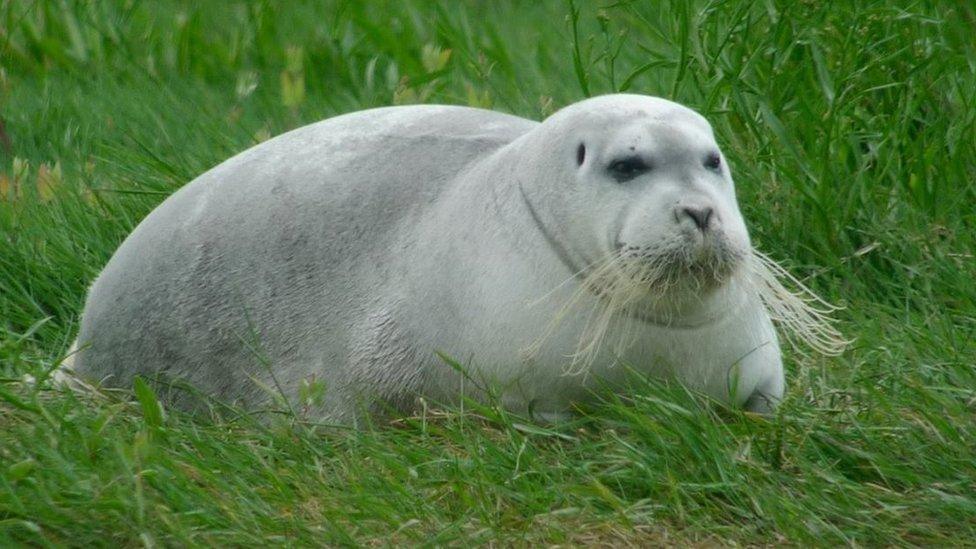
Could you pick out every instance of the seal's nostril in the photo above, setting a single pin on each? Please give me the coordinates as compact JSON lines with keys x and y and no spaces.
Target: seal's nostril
{"x":709,"y":217}
{"x":701,"y":216}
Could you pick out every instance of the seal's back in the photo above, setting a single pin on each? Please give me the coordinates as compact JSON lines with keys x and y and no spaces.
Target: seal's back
{"x":241,"y":268}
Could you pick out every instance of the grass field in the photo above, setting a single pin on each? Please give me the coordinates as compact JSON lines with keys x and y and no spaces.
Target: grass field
{"x":851,"y":130}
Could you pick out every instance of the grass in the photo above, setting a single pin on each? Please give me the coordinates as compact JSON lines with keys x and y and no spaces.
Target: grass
{"x":850,"y":127}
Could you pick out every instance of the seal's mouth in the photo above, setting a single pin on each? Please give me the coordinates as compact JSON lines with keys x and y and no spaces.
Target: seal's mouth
{"x":669,"y":283}
{"x":665,"y":283}
{"x":691,"y":262}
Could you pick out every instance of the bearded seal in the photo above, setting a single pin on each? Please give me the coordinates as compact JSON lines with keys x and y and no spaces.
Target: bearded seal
{"x":549,"y":258}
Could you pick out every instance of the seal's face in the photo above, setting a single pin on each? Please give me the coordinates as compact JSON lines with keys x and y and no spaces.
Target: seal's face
{"x":650,"y":208}
{"x":678,"y":218}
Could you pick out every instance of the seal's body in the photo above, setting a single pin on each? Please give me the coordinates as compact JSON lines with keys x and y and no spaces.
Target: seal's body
{"x":547,"y":258}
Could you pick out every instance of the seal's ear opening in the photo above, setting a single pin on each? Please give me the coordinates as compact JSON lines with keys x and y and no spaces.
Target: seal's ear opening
{"x":580,"y":154}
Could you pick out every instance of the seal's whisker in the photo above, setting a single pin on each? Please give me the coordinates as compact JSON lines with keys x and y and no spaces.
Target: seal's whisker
{"x":594,"y":279}
{"x":600,"y":317}
{"x":628,"y":337}
{"x":629,"y":288}
{"x":802,"y":313}
{"x":575,"y":276}
{"x":628,"y":285}
{"x":805,"y":292}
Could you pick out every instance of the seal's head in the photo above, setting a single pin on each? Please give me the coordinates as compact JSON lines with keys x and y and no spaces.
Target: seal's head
{"x":641,"y":199}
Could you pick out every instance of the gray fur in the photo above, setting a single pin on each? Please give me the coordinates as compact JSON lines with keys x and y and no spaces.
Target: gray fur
{"x":350,"y":250}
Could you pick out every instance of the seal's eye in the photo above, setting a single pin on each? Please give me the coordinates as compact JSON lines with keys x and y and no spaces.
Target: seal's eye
{"x":580,"y":154}
{"x":712,"y":161}
{"x":628,"y":168}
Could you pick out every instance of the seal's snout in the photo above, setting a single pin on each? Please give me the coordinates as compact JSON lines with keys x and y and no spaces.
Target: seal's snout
{"x":701,"y":215}
{"x":696,"y":215}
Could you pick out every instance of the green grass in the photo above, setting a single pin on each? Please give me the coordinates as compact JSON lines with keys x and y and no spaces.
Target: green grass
{"x":851,"y":128}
